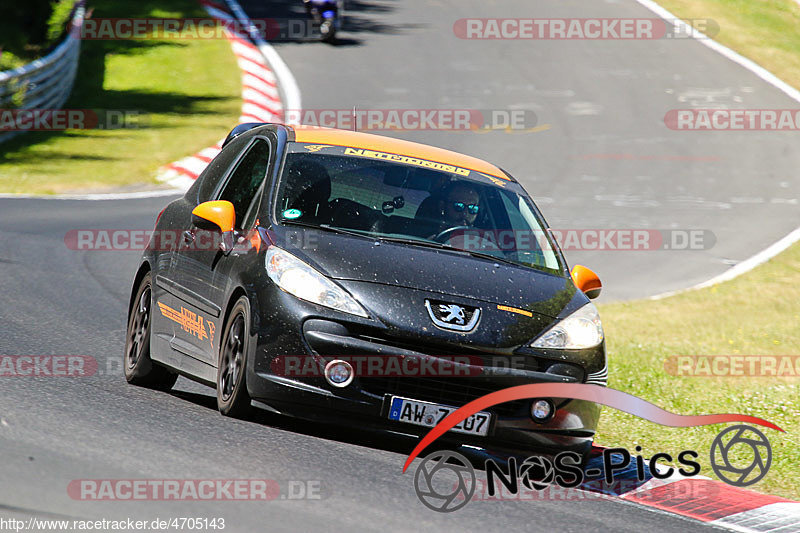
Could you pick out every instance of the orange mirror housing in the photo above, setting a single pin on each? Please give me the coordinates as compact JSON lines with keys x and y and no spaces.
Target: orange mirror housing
{"x":220,"y":213}
{"x":586,"y":281}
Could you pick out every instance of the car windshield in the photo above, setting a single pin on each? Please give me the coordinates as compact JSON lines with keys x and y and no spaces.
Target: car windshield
{"x":387,"y":196}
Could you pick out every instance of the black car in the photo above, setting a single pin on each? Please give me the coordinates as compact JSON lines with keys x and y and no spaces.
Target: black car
{"x":351,"y":278}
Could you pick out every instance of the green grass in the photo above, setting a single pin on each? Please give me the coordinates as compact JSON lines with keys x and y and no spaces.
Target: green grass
{"x":187,"y":92}
{"x":755,"y":314}
{"x":765,"y":31}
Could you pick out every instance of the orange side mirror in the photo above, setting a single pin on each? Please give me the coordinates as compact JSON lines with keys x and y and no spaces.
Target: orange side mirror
{"x":586,"y":281}
{"x":220,"y":213}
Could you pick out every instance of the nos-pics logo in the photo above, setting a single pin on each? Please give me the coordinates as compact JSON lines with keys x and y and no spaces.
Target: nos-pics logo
{"x":445,"y":481}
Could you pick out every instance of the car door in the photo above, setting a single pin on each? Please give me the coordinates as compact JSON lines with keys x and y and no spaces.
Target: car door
{"x":167,"y":315}
{"x":162,"y":319}
{"x":200,"y":269}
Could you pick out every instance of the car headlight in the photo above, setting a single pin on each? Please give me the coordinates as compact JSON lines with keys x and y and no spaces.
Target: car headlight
{"x":298,"y":279}
{"x":581,"y":329}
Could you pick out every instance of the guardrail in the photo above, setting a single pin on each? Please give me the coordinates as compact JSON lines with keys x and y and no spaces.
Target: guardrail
{"x":45,"y":83}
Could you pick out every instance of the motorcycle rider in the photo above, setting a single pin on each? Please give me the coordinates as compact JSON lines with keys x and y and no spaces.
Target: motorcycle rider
{"x":325,"y":13}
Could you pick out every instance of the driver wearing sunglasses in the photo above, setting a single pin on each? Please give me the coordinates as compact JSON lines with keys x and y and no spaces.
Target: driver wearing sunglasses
{"x":460,"y":205}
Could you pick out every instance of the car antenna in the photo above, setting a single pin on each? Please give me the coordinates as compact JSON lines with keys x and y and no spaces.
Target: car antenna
{"x":355,"y":128}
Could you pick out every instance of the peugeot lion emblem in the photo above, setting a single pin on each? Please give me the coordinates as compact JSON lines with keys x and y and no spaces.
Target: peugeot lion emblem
{"x":452,"y":316}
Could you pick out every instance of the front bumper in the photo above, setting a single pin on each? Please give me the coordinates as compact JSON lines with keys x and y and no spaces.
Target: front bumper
{"x":295,"y":328}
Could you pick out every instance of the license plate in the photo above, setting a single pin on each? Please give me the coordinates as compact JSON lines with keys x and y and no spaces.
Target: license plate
{"x":429,"y":414}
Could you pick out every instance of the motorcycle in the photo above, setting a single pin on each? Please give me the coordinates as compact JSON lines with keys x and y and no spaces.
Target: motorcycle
{"x":326,"y":14}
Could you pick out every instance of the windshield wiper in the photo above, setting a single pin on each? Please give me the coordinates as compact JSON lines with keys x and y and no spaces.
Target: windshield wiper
{"x":418,"y":242}
{"x":399,"y":240}
{"x":491,"y":257}
{"x":442,"y":246}
{"x":324,"y":227}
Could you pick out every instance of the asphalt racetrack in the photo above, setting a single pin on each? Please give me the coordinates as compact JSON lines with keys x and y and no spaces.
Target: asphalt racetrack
{"x":606,"y":161}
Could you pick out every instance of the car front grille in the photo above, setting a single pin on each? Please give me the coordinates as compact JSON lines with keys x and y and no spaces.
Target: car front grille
{"x":452,"y":390}
{"x":529,"y":363}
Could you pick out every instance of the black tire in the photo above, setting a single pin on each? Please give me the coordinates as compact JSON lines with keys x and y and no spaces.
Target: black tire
{"x":232,"y":397}
{"x":139,"y":368}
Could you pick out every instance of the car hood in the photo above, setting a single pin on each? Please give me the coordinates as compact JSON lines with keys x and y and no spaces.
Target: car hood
{"x":351,"y":258}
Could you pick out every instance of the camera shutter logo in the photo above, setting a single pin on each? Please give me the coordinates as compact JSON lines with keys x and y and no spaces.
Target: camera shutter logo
{"x":741,"y":435}
{"x":453,"y":496}
{"x":537,"y":473}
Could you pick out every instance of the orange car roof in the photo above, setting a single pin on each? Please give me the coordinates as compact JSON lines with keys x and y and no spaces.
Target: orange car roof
{"x":368,"y":141}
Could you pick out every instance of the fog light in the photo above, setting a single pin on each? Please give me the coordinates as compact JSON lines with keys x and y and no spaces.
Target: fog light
{"x":339,"y":373}
{"x":542,"y":410}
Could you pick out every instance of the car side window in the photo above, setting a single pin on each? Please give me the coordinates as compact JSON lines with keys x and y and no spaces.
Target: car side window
{"x":246,"y":179}
{"x":252,"y":212}
{"x":207,"y":182}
